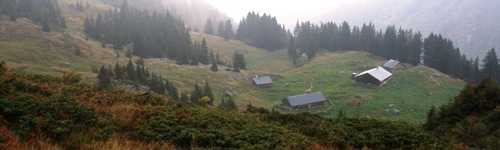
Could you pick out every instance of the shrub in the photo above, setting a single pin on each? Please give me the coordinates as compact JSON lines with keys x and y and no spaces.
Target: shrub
{"x":210,"y":129}
{"x":57,"y":117}
{"x":71,"y":77}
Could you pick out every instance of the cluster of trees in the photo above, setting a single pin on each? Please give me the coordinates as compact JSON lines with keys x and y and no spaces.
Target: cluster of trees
{"x":151,"y":34}
{"x":199,"y":96}
{"x":441,"y":54}
{"x":404,"y":45}
{"x":138,"y":75}
{"x":239,"y":62}
{"x":224,"y":29}
{"x":80,"y":6}
{"x":472,"y":118}
{"x":44,"y":12}
{"x":262,"y":31}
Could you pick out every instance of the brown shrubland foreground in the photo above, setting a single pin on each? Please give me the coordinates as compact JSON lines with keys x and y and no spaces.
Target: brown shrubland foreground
{"x":43,"y":112}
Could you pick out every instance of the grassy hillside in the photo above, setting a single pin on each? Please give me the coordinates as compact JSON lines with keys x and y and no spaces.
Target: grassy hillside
{"x":412,"y":91}
{"x":44,"y":112}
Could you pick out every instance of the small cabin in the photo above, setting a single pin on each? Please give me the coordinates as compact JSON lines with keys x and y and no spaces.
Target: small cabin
{"x":378,"y":76}
{"x":305,"y":101}
{"x":262,"y":81}
{"x":391,"y":64}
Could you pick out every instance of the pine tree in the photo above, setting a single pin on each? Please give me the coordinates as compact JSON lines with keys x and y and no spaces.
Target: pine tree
{"x":228,"y":30}
{"x":214,"y":66}
{"x":131,"y":72}
{"x":204,"y":56}
{"x":221,"y":29}
{"x":207,"y":91}
{"x":104,"y":79}
{"x":491,"y":66}
{"x":196,"y":94}
{"x":45,"y":26}
{"x":292,"y":51}
{"x":239,"y":62}
{"x":209,"y":27}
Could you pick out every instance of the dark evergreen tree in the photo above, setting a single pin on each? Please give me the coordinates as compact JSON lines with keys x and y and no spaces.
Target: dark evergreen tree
{"x":207,"y":91}
{"x":204,"y":54}
{"x":491,"y":68}
{"x":215,"y":66}
{"x":262,"y":31}
{"x":239,"y":62}
{"x":209,"y":27}
{"x":292,"y":51}
{"x":228,"y":30}
{"x":103,"y":78}
{"x":196,"y":94}
{"x":221,"y":29}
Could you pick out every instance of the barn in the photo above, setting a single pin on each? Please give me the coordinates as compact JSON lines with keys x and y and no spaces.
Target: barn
{"x":378,"y":76}
{"x":391,"y":64}
{"x":262,"y":81}
{"x":308,"y":100}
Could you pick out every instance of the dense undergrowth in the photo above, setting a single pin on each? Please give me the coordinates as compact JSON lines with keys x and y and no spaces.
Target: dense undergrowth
{"x":66,"y":113}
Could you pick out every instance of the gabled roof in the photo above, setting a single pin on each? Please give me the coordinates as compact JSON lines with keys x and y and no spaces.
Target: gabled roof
{"x":304,"y":99}
{"x":391,"y":64}
{"x":262,"y":80}
{"x":378,"y":73}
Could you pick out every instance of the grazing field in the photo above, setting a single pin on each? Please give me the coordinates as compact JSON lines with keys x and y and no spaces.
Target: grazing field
{"x":408,"y":96}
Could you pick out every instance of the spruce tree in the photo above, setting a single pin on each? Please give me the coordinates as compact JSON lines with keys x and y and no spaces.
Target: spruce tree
{"x":207,"y":91}
{"x":214,"y":66}
{"x":104,"y":79}
{"x":221,"y":29}
{"x":292,"y":51}
{"x":491,"y":66}
{"x":209,"y":27}
{"x":131,"y":72}
{"x":228,"y":30}
{"x":196,"y":94}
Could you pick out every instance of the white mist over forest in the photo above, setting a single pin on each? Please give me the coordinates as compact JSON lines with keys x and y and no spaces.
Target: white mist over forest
{"x":287,"y":11}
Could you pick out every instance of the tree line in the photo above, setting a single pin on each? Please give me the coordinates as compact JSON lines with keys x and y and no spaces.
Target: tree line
{"x":224,"y":29}
{"x":43,"y":12}
{"x":405,"y":45}
{"x":135,"y":73}
{"x":150,"y":34}
{"x":262,"y":31}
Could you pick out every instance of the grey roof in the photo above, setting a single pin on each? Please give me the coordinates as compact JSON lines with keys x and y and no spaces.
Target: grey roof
{"x":261,"y":80}
{"x":391,"y":64}
{"x":304,"y":99}
{"x":378,"y":73}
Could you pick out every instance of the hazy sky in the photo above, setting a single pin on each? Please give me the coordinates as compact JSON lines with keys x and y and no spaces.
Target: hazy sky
{"x":287,"y":11}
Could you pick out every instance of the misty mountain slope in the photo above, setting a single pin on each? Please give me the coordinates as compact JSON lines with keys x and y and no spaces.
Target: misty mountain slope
{"x":193,"y":12}
{"x":329,"y":72}
{"x":471,"y":24}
